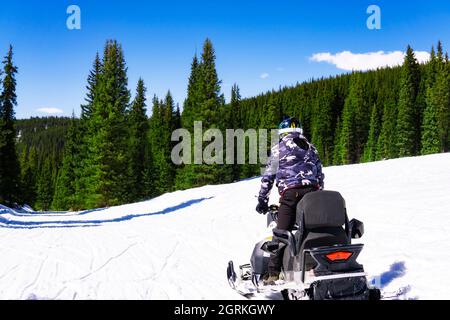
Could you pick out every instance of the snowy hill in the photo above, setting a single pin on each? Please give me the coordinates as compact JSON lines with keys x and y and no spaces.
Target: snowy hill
{"x":177,"y":246}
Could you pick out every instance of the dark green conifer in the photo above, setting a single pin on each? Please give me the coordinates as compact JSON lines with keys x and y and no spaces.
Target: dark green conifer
{"x":9,"y":162}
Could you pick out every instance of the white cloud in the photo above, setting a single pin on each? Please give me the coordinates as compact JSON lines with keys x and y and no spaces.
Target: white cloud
{"x":279,"y":69}
{"x":50,"y":110}
{"x":346,"y":60}
{"x":264,"y":76}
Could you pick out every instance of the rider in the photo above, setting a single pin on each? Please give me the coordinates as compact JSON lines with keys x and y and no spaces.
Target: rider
{"x":295,"y":164}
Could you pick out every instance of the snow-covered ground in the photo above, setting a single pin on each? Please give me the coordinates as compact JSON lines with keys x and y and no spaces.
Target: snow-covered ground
{"x":177,"y":246}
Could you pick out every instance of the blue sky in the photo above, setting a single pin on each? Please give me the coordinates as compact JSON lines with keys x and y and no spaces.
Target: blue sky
{"x":260,"y":45}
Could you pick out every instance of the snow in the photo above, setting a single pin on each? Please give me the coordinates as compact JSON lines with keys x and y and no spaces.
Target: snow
{"x":177,"y":246}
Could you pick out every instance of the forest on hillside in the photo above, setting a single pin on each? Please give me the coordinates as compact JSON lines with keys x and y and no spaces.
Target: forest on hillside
{"x":40,"y":148}
{"x":115,"y":154}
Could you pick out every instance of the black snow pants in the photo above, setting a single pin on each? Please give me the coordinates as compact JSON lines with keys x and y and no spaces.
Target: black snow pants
{"x":286,"y":219}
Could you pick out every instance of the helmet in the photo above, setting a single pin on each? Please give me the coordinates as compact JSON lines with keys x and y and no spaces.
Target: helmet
{"x":290,"y":125}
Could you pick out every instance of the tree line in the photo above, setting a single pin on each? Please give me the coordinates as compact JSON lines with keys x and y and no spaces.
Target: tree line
{"x":366,"y":116}
{"x":40,"y":145}
{"x":115,"y":154}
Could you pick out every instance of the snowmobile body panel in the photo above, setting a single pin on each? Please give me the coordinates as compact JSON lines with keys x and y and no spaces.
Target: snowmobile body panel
{"x":260,"y":258}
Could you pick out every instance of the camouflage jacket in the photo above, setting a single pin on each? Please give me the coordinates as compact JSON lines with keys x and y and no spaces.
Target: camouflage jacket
{"x":294,"y":162}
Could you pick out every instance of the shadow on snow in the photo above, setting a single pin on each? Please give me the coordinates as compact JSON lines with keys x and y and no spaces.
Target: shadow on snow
{"x":396,"y":270}
{"x":5,"y":223}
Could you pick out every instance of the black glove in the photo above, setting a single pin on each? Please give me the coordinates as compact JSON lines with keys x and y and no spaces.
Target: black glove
{"x":262,"y":206}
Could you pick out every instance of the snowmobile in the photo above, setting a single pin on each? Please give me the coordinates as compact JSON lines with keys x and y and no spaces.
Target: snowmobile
{"x":319,"y":261}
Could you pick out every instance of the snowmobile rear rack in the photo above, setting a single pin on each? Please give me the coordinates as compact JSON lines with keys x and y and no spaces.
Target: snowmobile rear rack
{"x":325,"y":267}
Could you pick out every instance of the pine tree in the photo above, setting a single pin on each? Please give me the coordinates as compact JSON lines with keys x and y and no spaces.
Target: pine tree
{"x":436,"y":121}
{"x":45,"y":187}
{"x":430,"y":132}
{"x":108,"y":144}
{"x":93,"y":80}
{"x":347,"y":137}
{"x":157,"y":145}
{"x":164,"y":120}
{"x":234,"y":120}
{"x":9,"y":162}
{"x":210,"y":98}
{"x":322,"y":135}
{"x":337,"y":160}
{"x":84,"y":167}
{"x":28,"y":176}
{"x":176,"y":121}
{"x":205,"y":103}
{"x":350,"y":142}
{"x":446,"y":111}
{"x":184,"y":172}
{"x":138,"y":124}
{"x":374,"y":129}
{"x":407,"y":130}
{"x":362,"y":116}
{"x":272,"y":115}
{"x":438,"y":109}
{"x":167,"y":178}
{"x":234,"y":113}
{"x":191,"y":102}
{"x":386,"y":140}
{"x":65,"y":196}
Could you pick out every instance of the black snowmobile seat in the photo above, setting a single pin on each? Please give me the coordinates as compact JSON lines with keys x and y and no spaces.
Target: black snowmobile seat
{"x":321,"y":216}
{"x":321,"y":209}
